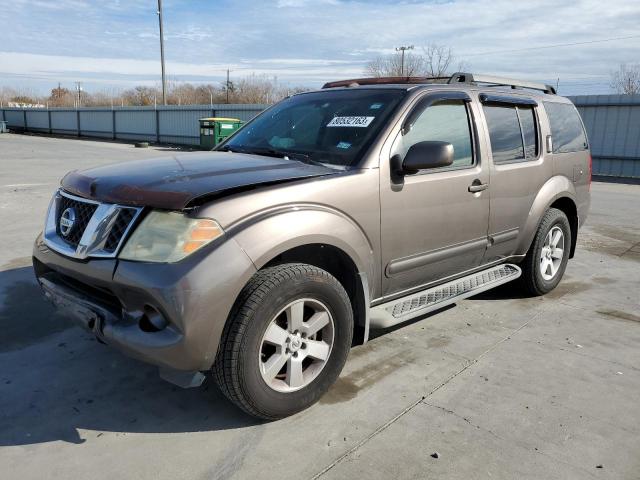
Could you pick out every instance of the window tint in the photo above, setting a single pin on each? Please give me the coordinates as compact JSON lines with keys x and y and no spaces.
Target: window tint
{"x":447,"y":122}
{"x":566,"y":129}
{"x":529,"y":132}
{"x":504,"y":133}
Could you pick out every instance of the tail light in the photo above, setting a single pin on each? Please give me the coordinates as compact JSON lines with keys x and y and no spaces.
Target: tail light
{"x":590,"y":170}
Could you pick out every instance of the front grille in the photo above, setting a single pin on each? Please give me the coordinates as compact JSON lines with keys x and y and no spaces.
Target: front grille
{"x":83,"y":213}
{"x":123,"y":220}
{"x":104,"y":226}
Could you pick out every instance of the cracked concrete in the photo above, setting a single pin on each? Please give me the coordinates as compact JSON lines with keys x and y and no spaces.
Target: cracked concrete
{"x":500,"y":386}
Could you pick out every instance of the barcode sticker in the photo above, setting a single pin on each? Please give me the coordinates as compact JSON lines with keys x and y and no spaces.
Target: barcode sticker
{"x":361,"y":122}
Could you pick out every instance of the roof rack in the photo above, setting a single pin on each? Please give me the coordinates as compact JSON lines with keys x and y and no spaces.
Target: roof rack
{"x":459,"y":77}
{"x":355,"y":82}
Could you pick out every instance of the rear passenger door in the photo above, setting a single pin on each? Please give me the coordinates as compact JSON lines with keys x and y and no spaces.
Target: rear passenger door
{"x":518,"y":168}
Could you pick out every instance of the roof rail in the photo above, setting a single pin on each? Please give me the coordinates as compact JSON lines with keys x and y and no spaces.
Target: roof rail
{"x":461,"y":77}
{"x":355,"y":82}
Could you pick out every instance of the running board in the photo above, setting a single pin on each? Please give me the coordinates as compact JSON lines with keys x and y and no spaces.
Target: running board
{"x":405,"y":308}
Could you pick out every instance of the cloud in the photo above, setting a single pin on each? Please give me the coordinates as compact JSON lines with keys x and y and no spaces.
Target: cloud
{"x":302,"y":40}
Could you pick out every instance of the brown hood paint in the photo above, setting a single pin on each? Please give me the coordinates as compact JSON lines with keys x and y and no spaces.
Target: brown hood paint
{"x":177,"y":182}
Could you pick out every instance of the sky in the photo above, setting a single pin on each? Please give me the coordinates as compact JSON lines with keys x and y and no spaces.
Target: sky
{"x":114,"y":44}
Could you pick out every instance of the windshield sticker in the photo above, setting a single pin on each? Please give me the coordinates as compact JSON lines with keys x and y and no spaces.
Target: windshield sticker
{"x":343,"y":145}
{"x":361,"y":122}
{"x":375,"y":106}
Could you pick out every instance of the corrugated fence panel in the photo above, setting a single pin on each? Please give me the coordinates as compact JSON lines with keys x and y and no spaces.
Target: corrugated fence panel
{"x":38,"y":120}
{"x":242,"y":112}
{"x":181,"y":125}
{"x":14,"y":118}
{"x":97,"y":123}
{"x":613,"y":127}
{"x":167,"y":124}
{"x":136,"y":124}
{"x":64,"y":121}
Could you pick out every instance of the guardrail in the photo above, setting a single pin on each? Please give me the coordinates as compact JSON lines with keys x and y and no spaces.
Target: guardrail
{"x":163,"y":124}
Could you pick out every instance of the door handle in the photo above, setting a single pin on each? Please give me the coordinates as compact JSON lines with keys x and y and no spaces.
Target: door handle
{"x":478,"y":186}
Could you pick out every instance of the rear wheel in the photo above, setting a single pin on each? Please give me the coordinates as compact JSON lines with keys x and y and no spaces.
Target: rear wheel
{"x":547,"y":258}
{"x":285,"y":342}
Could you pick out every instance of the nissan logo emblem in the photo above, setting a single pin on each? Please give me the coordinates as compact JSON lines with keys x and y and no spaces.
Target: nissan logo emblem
{"x":67,"y":220}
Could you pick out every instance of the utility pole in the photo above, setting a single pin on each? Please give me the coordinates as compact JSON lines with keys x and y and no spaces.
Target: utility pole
{"x":78,"y":91}
{"x":227,"y":88}
{"x":164,"y":82}
{"x":402,"y":50}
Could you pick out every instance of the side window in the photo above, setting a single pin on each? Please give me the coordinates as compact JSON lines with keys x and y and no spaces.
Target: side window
{"x":566,"y":129}
{"x":513,"y":132}
{"x":527,"y":118}
{"x":446,"y":121}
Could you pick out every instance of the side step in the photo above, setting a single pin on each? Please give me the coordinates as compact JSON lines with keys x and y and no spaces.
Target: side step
{"x":402,"y":309}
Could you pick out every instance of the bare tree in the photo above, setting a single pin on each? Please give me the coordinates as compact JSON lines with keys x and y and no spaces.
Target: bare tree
{"x":435,"y":61}
{"x":626,"y":79}
{"x":250,"y":89}
{"x":391,"y":66}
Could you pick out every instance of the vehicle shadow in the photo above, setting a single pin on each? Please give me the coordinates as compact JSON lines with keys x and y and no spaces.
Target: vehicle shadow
{"x":58,"y":383}
{"x":506,"y":291}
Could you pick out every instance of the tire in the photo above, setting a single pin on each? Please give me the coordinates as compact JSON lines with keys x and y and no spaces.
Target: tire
{"x":538,"y":277}
{"x":261,"y":313}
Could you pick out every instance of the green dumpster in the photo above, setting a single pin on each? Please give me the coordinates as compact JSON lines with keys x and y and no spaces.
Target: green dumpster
{"x":215,"y":129}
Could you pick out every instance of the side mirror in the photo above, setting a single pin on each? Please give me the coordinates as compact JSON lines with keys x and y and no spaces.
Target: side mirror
{"x":432,"y":154}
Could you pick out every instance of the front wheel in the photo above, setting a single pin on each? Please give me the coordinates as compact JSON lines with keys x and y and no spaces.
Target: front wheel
{"x":547,"y":258}
{"x":285,"y":342}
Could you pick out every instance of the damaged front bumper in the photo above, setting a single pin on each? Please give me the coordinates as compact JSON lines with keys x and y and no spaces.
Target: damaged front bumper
{"x":169,"y":315}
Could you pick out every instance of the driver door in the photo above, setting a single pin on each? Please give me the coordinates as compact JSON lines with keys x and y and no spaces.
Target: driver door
{"x":434,"y":222}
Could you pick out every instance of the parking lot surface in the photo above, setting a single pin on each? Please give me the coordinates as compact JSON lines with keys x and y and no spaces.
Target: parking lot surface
{"x":499,"y":386}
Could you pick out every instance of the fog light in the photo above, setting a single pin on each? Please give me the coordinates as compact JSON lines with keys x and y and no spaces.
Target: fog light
{"x":152,"y":320}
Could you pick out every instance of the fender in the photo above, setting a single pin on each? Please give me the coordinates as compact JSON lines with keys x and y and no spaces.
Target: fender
{"x":284,"y":227}
{"x":553,"y":189}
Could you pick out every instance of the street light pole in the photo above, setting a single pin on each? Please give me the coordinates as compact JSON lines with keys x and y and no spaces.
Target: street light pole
{"x":164,"y":82}
{"x":402,"y":50}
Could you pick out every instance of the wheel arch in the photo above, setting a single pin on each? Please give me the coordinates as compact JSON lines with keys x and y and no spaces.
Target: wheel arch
{"x":558,"y":192}
{"x":339,"y":264}
{"x":323,"y":237}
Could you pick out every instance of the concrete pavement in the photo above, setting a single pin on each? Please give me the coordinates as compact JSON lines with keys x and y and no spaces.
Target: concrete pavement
{"x":499,"y":386}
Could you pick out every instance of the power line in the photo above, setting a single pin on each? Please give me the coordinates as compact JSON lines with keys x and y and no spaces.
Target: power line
{"x":588,"y":42}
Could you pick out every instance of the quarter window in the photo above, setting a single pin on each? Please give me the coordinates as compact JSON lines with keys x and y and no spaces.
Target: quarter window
{"x":445,"y":121}
{"x":566,"y":128}
{"x":513,"y":132}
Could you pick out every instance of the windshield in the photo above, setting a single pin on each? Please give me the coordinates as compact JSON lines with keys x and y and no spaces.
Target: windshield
{"x":332,"y":127}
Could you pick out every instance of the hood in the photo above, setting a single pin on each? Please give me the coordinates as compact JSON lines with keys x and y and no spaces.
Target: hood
{"x":179,"y":181}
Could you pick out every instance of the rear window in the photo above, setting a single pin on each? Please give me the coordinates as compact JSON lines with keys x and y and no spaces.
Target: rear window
{"x":567,"y":132}
{"x":513,"y":132}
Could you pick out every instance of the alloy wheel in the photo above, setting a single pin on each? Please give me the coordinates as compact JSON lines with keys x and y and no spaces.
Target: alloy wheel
{"x":296,"y":345}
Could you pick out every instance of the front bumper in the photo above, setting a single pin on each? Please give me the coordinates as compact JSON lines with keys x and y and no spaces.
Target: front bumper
{"x":170,"y":315}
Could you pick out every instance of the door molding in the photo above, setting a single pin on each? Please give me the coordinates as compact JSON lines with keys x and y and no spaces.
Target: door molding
{"x":404,"y":264}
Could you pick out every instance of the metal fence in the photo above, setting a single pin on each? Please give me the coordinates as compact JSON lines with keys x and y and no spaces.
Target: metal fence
{"x":163,"y":124}
{"x":612,"y":122}
{"x":613,"y":126}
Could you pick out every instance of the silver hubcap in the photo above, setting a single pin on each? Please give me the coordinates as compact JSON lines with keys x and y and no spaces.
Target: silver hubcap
{"x":296,"y":345}
{"x":552,"y":253}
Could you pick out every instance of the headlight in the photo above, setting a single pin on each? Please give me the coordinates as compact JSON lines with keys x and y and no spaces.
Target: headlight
{"x":169,"y":237}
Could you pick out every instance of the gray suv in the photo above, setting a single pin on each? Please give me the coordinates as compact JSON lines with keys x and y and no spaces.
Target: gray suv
{"x":362,"y":205}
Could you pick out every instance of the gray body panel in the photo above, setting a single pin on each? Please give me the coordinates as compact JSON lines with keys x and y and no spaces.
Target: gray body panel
{"x":402,"y":235}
